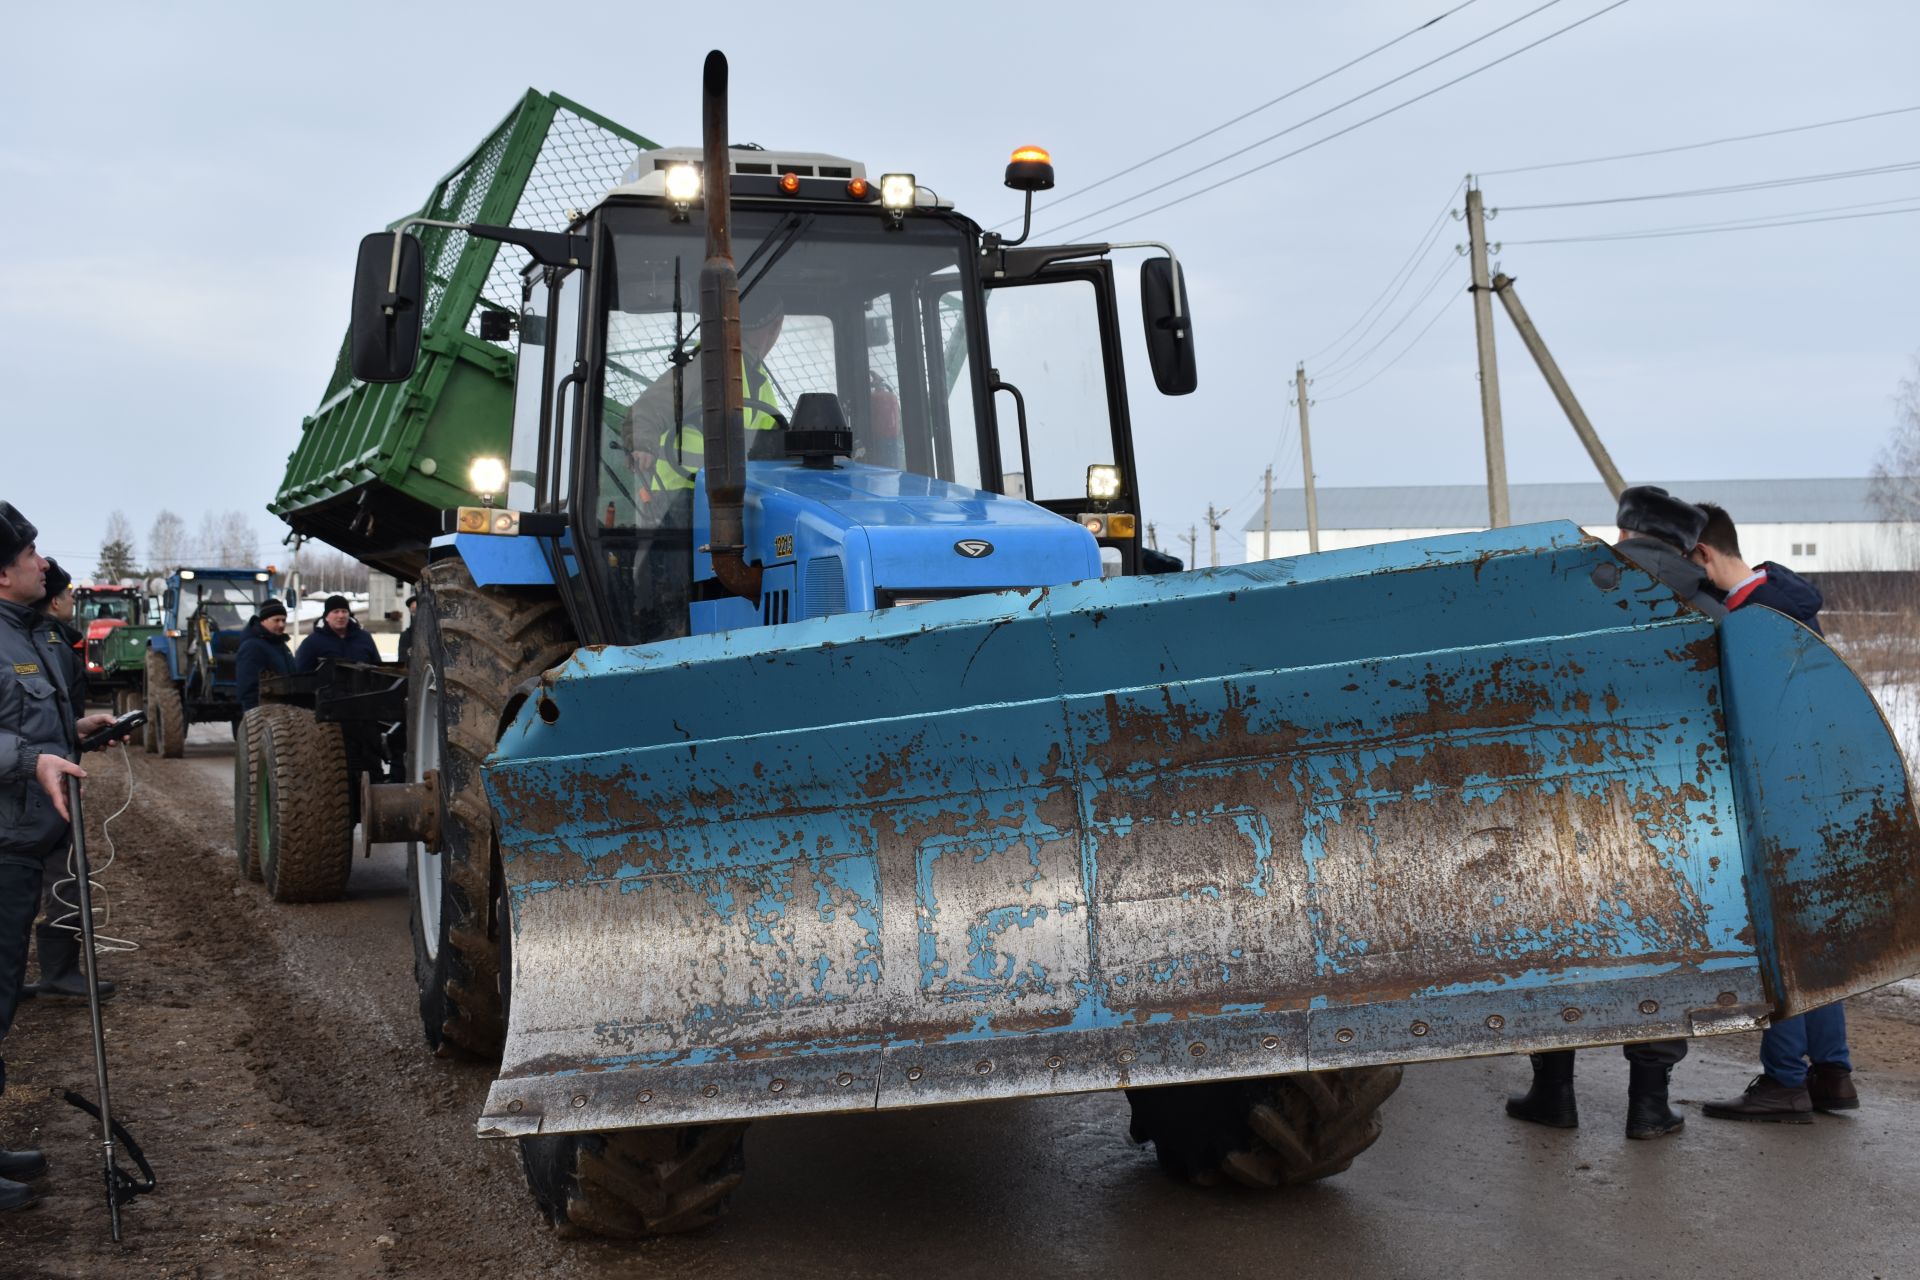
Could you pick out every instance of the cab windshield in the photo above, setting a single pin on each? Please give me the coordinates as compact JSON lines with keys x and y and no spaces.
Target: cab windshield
{"x":831,"y":303}
{"x":228,"y":605}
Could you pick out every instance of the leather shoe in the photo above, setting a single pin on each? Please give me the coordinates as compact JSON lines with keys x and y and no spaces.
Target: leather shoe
{"x":22,"y":1166}
{"x":16,"y":1195}
{"x":1766,"y":1099}
{"x":1830,"y":1085}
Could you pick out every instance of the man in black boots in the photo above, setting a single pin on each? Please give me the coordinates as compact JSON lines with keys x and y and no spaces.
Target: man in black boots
{"x":1657,"y":532}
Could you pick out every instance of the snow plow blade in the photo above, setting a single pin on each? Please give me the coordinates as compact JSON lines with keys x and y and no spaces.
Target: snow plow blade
{"x":1471,"y":795}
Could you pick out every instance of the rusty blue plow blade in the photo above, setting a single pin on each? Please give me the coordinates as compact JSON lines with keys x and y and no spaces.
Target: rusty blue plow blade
{"x":1476,"y":794}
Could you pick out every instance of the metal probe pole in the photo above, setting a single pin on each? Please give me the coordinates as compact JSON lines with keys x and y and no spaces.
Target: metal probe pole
{"x":83,"y":878}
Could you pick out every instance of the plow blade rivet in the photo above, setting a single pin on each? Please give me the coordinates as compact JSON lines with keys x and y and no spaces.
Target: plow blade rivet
{"x":914,"y":1073}
{"x":1570,"y":1015}
{"x":1126,"y":1056}
{"x":1269,"y":1042}
{"x":844,"y":1079}
{"x":1727,"y":997}
{"x":579,"y":1100}
{"x":1197,"y":1049}
{"x":984,"y":1066}
{"x":711,"y":1091}
{"x":1649,"y":1006}
{"x":515,"y":1105}
{"x":1055,"y":1062}
{"x":776,"y":1086}
{"x":1344,"y":1035}
{"x":645,"y":1095}
{"x":1418,"y":1028}
{"x":1495,"y":1022}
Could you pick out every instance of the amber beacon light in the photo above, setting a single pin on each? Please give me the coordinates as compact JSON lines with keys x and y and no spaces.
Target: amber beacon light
{"x":1030,"y":169}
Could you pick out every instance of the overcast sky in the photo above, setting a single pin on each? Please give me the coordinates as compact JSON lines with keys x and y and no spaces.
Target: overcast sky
{"x":184,"y":187}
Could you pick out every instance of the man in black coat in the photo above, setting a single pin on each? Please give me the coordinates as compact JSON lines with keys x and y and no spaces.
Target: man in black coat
{"x":338,"y":637}
{"x":1804,"y":1061}
{"x":1658,"y":532}
{"x":264,"y":647}
{"x":56,"y":606}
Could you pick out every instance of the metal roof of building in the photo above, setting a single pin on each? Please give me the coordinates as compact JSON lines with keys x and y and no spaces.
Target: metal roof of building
{"x":1464,"y":506}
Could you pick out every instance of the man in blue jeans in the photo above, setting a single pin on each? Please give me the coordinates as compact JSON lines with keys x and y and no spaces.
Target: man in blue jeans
{"x":1804,"y":1059}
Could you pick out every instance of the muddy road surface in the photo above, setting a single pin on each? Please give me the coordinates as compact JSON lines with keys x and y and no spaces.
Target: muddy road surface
{"x":270,"y":1060}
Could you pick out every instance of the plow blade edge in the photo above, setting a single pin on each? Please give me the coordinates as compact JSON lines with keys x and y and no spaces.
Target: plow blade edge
{"x":1470,"y":795}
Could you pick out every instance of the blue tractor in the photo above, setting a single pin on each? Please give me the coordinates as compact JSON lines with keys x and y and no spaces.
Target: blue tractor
{"x":204,"y":613}
{"x":797,"y":724}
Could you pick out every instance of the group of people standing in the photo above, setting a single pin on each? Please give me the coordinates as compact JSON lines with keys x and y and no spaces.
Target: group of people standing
{"x":1805,"y":1067}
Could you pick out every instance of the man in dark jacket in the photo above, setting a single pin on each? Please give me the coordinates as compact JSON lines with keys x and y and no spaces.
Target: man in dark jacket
{"x":1657,"y":532}
{"x":264,"y":647}
{"x":338,"y":637}
{"x":1805,"y":1065}
{"x":56,"y":606}
{"x":39,"y":734}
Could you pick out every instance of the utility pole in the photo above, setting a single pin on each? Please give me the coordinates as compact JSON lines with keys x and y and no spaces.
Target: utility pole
{"x":1192,"y":538}
{"x":1213,"y":536}
{"x":1266,"y":519}
{"x":1306,"y":459}
{"x":1153,"y":537}
{"x":1497,"y":516}
{"x":1537,"y":346}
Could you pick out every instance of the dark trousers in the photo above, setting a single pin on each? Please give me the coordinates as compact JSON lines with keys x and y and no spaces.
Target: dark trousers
{"x":1648,"y":1053}
{"x":20,"y":879}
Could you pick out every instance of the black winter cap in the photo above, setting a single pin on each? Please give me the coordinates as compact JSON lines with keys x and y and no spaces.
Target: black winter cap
{"x":1649,"y":509}
{"x":340,"y":602}
{"x":58,"y":580}
{"x":16,"y":533}
{"x":273,"y":609}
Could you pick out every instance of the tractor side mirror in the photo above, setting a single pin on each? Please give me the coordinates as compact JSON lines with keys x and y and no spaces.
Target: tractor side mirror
{"x":385,"y":340}
{"x":1169,"y":327}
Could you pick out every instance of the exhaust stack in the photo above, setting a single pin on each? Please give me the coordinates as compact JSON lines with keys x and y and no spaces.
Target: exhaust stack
{"x":722,"y":395}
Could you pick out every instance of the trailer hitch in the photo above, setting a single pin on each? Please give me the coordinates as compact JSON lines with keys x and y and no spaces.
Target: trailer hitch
{"x":393,"y":811}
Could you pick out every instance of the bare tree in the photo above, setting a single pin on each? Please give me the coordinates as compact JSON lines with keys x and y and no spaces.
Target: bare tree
{"x":239,"y":544}
{"x":1895,"y":489}
{"x":116,"y":550}
{"x":166,"y":543}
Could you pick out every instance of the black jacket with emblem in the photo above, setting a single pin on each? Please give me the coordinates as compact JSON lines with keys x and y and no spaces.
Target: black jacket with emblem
{"x":35,"y":718}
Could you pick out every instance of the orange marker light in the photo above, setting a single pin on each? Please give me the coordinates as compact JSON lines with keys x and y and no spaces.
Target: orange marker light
{"x":857,"y":188}
{"x":1026,"y":155}
{"x":789,"y":182}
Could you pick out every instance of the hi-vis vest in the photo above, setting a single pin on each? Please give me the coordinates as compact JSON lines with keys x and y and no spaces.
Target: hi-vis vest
{"x":683,"y":450}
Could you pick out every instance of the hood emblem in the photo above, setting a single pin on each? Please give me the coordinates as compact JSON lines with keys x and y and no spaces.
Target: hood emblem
{"x":974,"y":548}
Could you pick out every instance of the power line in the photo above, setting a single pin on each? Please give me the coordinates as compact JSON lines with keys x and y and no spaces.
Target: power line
{"x":1664,"y":232}
{"x":1730,"y":223}
{"x":1394,"y":285}
{"x":1695,"y":146}
{"x":1767,"y":184}
{"x":1270,"y":102}
{"x":1450,"y":263}
{"x":1338,"y":133}
{"x":1425,"y":329}
{"x":1301,"y":124}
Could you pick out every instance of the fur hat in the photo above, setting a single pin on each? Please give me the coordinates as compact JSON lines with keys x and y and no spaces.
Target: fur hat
{"x":16,"y":533}
{"x":1649,"y":509}
{"x":58,"y":580}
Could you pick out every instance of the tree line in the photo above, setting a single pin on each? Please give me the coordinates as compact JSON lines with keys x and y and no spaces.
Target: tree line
{"x":225,"y":539}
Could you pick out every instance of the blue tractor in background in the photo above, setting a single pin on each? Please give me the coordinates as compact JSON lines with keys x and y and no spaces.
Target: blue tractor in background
{"x":204,"y":613}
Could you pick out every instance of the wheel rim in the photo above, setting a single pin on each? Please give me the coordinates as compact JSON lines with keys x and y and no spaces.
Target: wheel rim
{"x":263,"y":816}
{"x":423,"y":751}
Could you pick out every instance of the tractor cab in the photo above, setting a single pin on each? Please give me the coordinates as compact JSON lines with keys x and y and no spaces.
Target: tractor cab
{"x":100,"y":609}
{"x":204,"y":615}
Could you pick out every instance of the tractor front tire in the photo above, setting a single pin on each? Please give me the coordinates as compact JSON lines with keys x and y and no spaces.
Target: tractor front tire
{"x":166,"y":713}
{"x":1274,"y":1131}
{"x":304,"y":824}
{"x":473,"y":647}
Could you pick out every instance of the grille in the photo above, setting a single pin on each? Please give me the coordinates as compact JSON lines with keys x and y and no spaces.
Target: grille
{"x":826,"y":587}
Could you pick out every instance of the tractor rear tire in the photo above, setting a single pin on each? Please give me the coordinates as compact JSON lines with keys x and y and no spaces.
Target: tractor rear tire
{"x":247,"y":748}
{"x":630,"y":1183}
{"x":166,"y":713}
{"x":472,"y":648}
{"x":305,"y":825}
{"x":1274,"y":1131}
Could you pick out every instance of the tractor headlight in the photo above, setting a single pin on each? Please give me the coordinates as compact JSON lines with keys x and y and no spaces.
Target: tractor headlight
{"x":186,"y":575}
{"x":487,"y":476}
{"x":683,"y":183}
{"x":261,"y":577}
{"x":897,"y":192}
{"x":1103,"y":482}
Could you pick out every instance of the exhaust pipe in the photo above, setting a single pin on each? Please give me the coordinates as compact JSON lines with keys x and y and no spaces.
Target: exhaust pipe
{"x":720,"y":376}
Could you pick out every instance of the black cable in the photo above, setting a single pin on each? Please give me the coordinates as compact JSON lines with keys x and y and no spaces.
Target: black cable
{"x":1338,"y":133}
{"x":1661,"y":234}
{"x":1451,"y":263}
{"x":1427,"y":328}
{"x":1695,"y":146}
{"x":1261,"y":142}
{"x":1270,"y":102}
{"x":1394,"y":285}
{"x":1718,"y":224}
{"x":1767,"y":184}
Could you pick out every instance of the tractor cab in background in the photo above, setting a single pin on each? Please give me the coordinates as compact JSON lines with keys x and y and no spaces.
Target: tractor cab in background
{"x":190,"y":660}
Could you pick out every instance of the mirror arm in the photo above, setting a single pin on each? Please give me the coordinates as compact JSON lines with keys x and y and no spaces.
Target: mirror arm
{"x":549,"y":248}
{"x":1179,"y":303}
